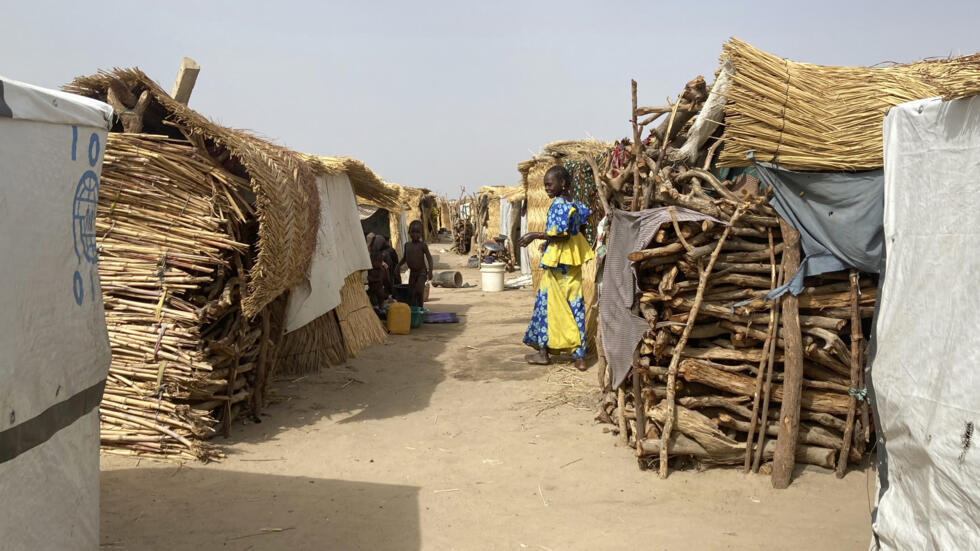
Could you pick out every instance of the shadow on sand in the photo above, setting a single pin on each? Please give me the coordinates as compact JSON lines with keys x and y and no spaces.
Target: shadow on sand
{"x":202,"y":509}
{"x":385,"y":381}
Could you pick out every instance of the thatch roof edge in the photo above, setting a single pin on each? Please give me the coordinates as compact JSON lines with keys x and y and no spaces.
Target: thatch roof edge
{"x":287,"y":203}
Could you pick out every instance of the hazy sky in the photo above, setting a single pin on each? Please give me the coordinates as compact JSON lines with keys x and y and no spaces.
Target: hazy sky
{"x":443,"y":94}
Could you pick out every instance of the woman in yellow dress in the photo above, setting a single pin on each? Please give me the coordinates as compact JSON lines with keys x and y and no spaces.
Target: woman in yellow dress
{"x":558,"y":320}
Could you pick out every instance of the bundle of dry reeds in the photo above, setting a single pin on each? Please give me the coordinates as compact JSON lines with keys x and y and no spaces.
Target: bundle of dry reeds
{"x":173,"y":234}
{"x":359,"y":324}
{"x":312,"y":347}
{"x":817,"y":117}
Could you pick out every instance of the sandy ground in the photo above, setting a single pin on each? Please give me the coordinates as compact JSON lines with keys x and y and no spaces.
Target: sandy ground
{"x":444,"y":439}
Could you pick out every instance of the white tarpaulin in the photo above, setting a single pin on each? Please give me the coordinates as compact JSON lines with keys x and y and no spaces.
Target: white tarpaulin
{"x":926,"y":368}
{"x":525,"y":254}
{"x":54,"y":350}
{"x":505,"y":217}
{"x":340,"y":251}
{"x":402,"y":233}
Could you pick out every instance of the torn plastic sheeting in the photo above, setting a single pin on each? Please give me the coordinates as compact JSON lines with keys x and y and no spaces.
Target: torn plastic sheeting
{"x":838,"y":215}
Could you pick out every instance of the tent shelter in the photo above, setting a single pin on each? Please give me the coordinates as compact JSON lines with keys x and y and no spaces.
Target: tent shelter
{"x":924,"y":369}
{"x":54,"y":353}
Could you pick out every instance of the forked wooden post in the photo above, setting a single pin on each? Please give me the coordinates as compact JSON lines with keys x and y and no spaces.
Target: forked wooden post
{"x":651,"y":190}
{"x":784,"y":458}
{"x":186,"y":78}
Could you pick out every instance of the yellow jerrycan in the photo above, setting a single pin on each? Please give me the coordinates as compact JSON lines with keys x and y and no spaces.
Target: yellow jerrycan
{"x":399,"y":318}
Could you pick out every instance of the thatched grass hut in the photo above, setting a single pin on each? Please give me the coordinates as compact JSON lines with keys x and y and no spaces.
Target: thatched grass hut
{"x":281,"y":182}
{"x":331,"y":318}
{"x":204,"y":230}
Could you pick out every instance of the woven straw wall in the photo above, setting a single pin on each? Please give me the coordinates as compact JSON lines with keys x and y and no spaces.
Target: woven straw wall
{"x":493,"y":217}
{"x":359,"y":324}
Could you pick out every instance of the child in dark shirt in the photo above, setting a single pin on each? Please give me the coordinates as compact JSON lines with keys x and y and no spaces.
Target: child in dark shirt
{"x":378,"y":281}
{"x":419,"y":262}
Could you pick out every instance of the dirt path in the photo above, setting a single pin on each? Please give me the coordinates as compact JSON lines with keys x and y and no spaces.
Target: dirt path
{"x":444,"y":439}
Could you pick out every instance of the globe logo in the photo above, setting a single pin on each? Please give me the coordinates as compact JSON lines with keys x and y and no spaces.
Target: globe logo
{"x":83,"y":217}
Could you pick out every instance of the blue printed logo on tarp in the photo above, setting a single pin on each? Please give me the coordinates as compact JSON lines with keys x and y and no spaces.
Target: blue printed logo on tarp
{"x":84,"y":208}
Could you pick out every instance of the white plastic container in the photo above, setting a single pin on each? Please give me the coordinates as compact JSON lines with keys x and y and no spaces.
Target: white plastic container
{"x":492,"y":276}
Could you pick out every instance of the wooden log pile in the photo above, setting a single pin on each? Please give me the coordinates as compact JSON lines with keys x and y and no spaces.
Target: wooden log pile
{"x":174,"y":234}
{"x":723,"y":376}
{"x":461,"y":226}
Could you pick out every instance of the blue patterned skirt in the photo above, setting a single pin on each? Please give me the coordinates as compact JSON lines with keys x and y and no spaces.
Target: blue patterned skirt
{"x":558,"y":320}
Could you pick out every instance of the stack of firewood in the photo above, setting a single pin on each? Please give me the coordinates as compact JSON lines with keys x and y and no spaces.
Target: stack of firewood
{"x":728,"y":374}
{"x":462,"y":226}
{"x":724,"y":376}
{"x":462,"y":235}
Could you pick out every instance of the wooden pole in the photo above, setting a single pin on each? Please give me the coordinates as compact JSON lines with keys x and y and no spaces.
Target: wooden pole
{"x":784,"y":458}
{"x":692,"y":317}
{"x":855,"y":375}
{"x":652,"y":188}
{"x":640,"y":407}
{"x":624,"y":437}
{"x":186,"y":78}
{"x":767,"y":388}
{"x":636,"y":153}
{"x":261,"y":373}
{"x":770,"y":335}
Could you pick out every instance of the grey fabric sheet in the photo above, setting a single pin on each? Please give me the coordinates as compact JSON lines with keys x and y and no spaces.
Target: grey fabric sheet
{"x":838,"y":214}
{"x":621,"y":329}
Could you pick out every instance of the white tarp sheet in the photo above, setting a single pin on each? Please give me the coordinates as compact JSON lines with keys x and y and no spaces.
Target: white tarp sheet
{"x":505,"y":217}
{"x":926,"y":370}
{"x":340,"y":251}
{"x":54,"y":350}
{"x":525,"y":254}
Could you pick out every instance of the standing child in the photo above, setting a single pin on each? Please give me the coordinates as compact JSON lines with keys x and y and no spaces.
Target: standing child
{"x":419,"y":262}
{"x":379,"y":284}
{"x":558,"y":320}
